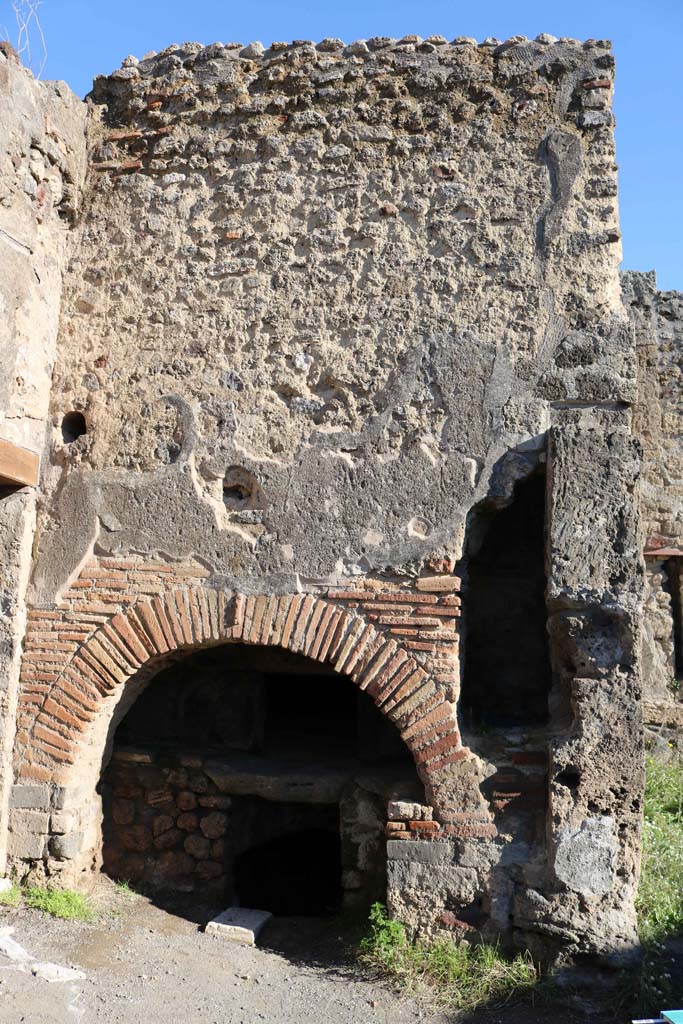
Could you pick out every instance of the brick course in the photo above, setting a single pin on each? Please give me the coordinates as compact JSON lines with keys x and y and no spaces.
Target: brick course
{"x":124,"y":615}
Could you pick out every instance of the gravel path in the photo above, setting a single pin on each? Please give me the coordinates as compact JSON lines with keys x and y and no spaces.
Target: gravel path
{"x":146,"y":966}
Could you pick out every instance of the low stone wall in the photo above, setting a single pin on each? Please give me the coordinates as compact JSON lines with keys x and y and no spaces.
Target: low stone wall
{"x":178,"y":822}
{"x":163,"y":826}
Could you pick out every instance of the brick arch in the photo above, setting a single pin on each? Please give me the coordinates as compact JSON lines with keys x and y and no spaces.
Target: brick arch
{"x":55,"y":730}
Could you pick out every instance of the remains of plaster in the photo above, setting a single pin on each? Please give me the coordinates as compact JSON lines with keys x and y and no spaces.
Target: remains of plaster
{"x":323,"y":304}
{"x":42,"y":165}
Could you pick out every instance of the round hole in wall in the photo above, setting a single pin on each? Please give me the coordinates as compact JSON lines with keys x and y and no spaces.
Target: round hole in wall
{"x":236,"y":495}
{"x":73,"y":427}
{"x":570,"y":777}
{"x":241,"y":490}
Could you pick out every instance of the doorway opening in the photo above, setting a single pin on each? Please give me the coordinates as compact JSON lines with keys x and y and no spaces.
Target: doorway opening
{"x":507,"y":678}
{"x":249,"y":775}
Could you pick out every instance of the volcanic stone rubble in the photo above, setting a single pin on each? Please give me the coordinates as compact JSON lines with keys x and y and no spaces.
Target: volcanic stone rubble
{"x":297,"y":332}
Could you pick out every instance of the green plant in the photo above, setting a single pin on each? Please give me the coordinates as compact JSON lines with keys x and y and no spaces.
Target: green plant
{"x":10,"y":897}
{"x":64,"y":903}
{"x":660,"y":894}
{"x":458,"y":974}
{"x":659,"y":902}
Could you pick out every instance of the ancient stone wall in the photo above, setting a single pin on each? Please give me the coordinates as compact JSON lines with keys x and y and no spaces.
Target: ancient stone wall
{"x":658,"y":422}
{"x":122,"y":620}
{"x":329,"y":306}
{"x":42,"y":162}
{"x":320,"y":293}
{"x":175,"y":822}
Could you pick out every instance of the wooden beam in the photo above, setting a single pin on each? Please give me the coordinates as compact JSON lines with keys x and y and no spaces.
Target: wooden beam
{"x":18,"y":465}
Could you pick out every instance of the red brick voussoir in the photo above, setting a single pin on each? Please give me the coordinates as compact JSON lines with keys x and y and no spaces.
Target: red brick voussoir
{"x":125,"y":615}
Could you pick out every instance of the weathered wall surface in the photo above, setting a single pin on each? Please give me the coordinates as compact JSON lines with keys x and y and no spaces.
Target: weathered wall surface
{"x":325,"y":301}
{"x":349,"y":280}
{"x":595,"y":597}
{"x":658,"y":422}
{"x":42,"y":161}
{"x":42,"y":165}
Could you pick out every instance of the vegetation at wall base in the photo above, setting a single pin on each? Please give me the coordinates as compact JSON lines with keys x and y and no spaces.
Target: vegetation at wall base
{"x":466,"y":976}
{"x":10,"y":897}
{"x":64,"y":903}
{"x":461,"y":975}
{"x":659,"y":903}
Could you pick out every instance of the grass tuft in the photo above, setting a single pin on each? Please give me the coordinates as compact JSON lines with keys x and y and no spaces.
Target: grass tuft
{"x":659,"y":903}
{"x":10,"y":897}
{"x":63,"y":903}
{"x":457,"y":974}
{"x":660,"y":894}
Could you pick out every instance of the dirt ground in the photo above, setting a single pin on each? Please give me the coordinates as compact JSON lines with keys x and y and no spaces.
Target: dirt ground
{"x":144,"y":965}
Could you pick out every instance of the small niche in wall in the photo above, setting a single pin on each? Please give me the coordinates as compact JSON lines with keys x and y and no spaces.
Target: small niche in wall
{"x":73,"y":427}
{"x":570,"y":778}
{"x":241,"y":490}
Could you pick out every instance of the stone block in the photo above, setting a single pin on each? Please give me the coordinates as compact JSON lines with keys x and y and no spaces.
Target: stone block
{"x":450,"y":882}
{"x":198,"y":846}
{"x":585,"y":857}
{"x":187,"y":822}
{"x":65,"y":821}
{"x":401,"y":810}
{"x":162,"y":823}
{"x":29,"y":821}
{"x":35,"y":797}
{"x":214,"y":825}
{"x":186,"y":801}
{"x":64,"y":797}
{"x":167,"y":840}
{"x":433,"y":853}
{"x":238,"y":924}
{"x":66,"y":847}
{"x":26,"y":846}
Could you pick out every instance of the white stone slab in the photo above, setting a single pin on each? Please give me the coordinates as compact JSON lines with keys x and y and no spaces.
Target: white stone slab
{"x":55,"y":972}
{"x":28,"y":963}
{"x":239,"y":924}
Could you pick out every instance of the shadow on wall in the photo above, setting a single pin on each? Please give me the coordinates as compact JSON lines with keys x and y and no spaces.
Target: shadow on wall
{"x":507,"y":662}
{"x":505,"y":690}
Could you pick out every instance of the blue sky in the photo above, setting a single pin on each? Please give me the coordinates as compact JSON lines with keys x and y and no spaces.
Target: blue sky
{"x":89,"y":37}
